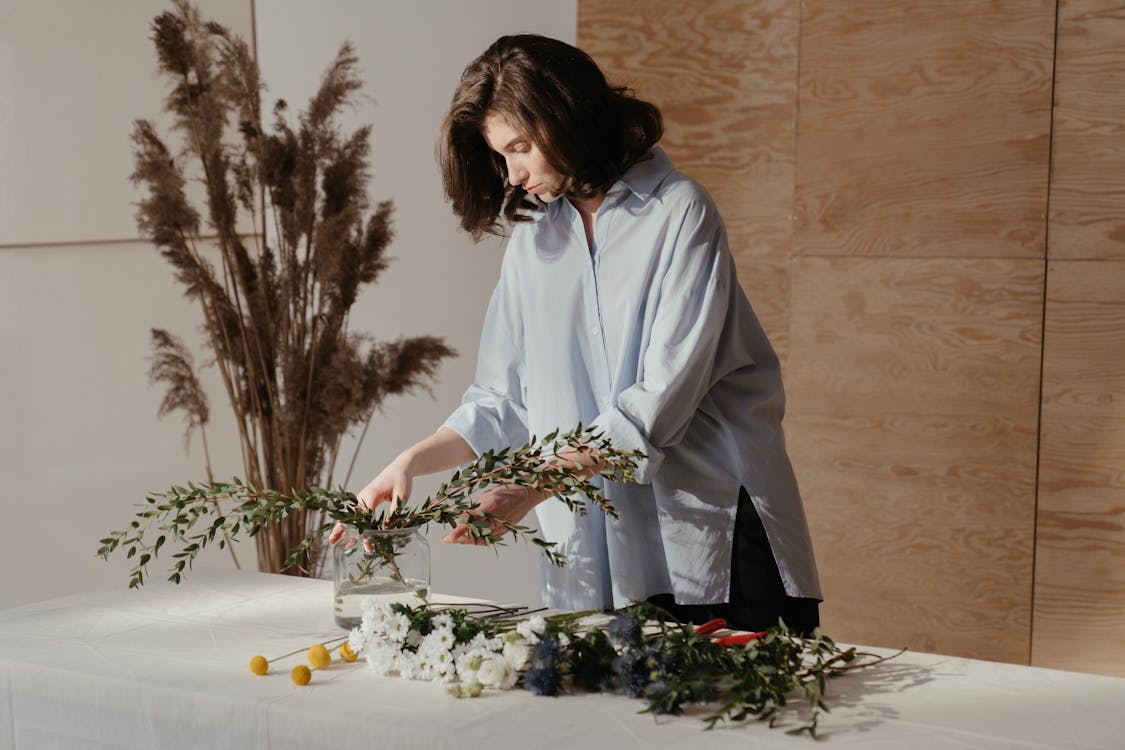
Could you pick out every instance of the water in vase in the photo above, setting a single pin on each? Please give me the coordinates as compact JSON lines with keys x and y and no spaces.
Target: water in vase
{"x":350,"y":596}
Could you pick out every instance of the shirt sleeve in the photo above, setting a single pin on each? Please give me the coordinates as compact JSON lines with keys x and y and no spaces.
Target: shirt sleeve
{"x":492,"y":414}
{"x":694,"y":294}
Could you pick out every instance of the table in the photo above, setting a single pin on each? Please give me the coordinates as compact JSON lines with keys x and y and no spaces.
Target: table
{"x":166,"y":667}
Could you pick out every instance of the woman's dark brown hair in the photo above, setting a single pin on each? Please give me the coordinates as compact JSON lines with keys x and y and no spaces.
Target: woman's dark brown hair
{"x":553,"y":93}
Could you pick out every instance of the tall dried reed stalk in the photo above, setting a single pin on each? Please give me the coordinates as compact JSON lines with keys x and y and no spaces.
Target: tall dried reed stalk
{"x":276,"y":310}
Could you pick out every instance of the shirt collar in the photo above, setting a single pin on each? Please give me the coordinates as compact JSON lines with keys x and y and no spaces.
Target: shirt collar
{"x":641,"y":179}
{"x":645,"y":176}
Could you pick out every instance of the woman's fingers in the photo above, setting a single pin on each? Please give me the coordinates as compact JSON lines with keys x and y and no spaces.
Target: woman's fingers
{"x":463,"y":533}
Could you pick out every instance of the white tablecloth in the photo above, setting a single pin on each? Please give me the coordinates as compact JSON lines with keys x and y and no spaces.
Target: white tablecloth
{"x":166,"y":667}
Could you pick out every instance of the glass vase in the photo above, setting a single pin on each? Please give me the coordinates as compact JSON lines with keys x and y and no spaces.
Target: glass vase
{"x":381,"y":565}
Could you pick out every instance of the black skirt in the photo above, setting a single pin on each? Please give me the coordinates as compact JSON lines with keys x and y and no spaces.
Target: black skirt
{"x":757,"y":596}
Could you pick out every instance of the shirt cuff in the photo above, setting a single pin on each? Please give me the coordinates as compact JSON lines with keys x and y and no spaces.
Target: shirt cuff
{"x":623,"y":434}
{"x":482,"y":434}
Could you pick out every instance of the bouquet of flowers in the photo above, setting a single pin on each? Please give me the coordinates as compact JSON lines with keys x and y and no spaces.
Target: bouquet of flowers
{"x":637,"y":652}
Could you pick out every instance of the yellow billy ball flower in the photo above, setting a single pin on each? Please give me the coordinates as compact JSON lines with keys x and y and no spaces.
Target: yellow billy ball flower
{"x":319,"y":657}
{"x":346,"y":652}
{"x":301,"y":675}
{"x":259,"y":665}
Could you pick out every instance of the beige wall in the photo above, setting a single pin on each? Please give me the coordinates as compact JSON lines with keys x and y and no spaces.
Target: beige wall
{"x":884,"y":169}
{"x":79,"y":439}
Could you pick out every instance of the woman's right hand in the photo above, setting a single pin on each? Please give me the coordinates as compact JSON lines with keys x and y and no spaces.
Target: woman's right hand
{"x":393,"y":484}
{"x":438,"y":452}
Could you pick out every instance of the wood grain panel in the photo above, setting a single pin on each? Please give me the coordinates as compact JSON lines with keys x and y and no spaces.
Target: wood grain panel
{"x":1079,"y":619}
{"x":724,"y":74}
{"x":924,"y":128}
{"x":766,"y":283}
{"x":914,"y":387}
{"x":1088,"y":160}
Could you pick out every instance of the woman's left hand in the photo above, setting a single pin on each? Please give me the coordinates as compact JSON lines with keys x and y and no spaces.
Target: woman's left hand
{"x":508,"y":503}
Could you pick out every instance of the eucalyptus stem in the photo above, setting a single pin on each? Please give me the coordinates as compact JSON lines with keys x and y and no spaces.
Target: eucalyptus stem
{"x":194,"y":515}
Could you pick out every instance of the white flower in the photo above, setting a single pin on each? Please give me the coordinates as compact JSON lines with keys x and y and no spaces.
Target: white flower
{"x":538,"y":624}
{"x":381,"y":621}
{"x":383,"y":658}
{"x":495,"y":672}
{"x":413,"y":639}
{"x":516,"y":653}
{"x":468,"y":663}
{"x":564,"y":640}
{"x":439,"y":639}
{"x":423,"y":667}
{"x":480,"y":640}
{"x":444,"y":669}
{"x":442,"y":621}
{"x":398,"y":627}
{"x":465,"y":690}
{"x":374,"y":613}
{"x":408,"y":665}
{"x":357,"y":639}
{"x":527,"y":630}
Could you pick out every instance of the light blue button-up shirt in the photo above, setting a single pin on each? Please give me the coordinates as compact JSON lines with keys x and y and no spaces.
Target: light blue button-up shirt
{"x":649,"y":337}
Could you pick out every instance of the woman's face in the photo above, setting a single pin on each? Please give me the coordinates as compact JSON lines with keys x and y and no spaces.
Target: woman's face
{"x":526,"y":165}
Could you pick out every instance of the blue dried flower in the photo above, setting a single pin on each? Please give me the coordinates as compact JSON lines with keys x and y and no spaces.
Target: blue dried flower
{"x":542,"y":680}
{"x":632,"y":674}
{"x":546,"y":652}
{"x":624,"y":629}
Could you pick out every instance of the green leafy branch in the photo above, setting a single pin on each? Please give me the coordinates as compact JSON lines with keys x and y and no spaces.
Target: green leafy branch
{"x":670,"y":665}
{"x":192,"y":517}
{"x":754,"y":680}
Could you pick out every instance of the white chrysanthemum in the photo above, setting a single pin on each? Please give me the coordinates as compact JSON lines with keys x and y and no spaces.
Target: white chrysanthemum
{"x":480,"y":640}
{"x":398,"y":627}
{"x":369,"y":607}
{"x":443,"y":666}
{"x":383,"y":658}
{"x":442,"y":621}
{"x":517,"y":653}
{"x":440,"y":639}
{"x":538,"y":624}
{"x":357,"y":639}
{"x":423,"y":667}
{"x":407,"y":664}
{"x":413,"y":639}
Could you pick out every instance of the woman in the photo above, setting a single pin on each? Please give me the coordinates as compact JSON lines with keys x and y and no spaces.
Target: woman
{"x":617,"y":307}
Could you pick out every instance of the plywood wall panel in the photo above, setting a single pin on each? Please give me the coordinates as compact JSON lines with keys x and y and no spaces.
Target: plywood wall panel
{"x":924,"y":128}
{"x":913,"y":388}
{"x":1088,"y":161}
{"x":724,"y":74}
{"x":766,"y":283}
{"x":1080,"y":561}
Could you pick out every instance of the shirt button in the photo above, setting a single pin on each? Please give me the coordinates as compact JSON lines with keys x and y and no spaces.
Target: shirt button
{"x":594,"y":330}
